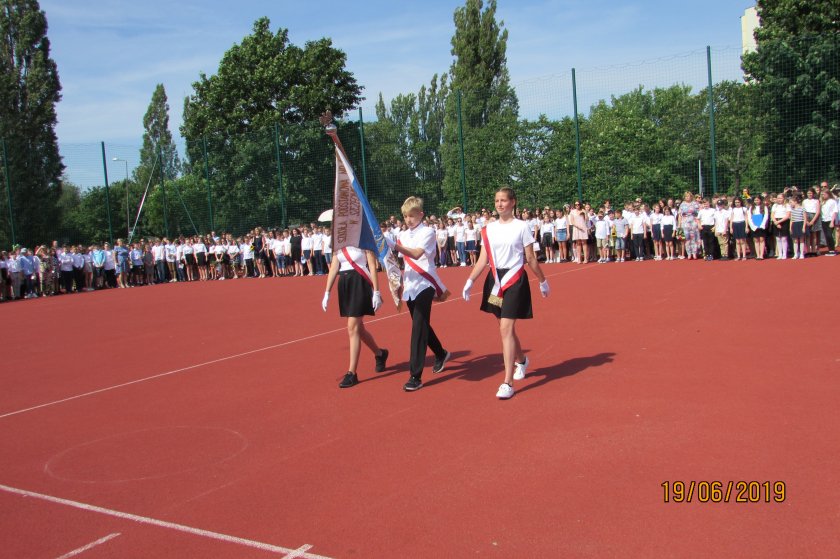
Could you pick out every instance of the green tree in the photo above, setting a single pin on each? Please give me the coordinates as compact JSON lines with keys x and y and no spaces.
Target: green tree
{"x":264,"y":82}
{"x":157,"y":141}
{"x":797,"y":71}
{"x":488,"y":106}
{"x":29,"y":90}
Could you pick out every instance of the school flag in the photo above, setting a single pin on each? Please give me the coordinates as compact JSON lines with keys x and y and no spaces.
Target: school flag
{"x":354,"y":223}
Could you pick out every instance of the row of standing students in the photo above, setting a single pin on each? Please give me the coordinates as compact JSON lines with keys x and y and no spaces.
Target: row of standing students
{"x":506,"y":292}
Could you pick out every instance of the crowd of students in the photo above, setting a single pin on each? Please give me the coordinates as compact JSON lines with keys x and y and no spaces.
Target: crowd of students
{"x":55,"y":269}
{"x":790,"y":224}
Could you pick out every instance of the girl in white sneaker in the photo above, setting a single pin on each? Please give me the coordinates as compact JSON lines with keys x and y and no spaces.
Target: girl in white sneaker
{"x":358,"y":296}
{"x":508,"y":246}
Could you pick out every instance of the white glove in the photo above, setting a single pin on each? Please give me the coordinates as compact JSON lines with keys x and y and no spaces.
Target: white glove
{"x":544,"y":288}
{"x":390,"y":242}
{"x":466,"y":292}
{"x":326,"y":300}
{"x":377,"y":300}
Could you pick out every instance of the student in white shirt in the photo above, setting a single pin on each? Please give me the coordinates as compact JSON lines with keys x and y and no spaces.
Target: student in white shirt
{"x":460,"y":241}
{"x":757,"y":223}
{"x":811,"y":205}
{"x":442,"y":236}
{"x":420,"y":287}
{"x":707,"y":229}
{"x":738,"y":227}
{"x":235,"y":255}
{"x":170,"y":254}
{"x":470,"y":238}
{"x":638,"y":223}
{"x":547,"y":237}
{"x":780,"y":214}
{"x":669,"y":224}
{"x":507,"y":294}
{"x":828,"y":216}
{"x":602,"y":233}
{"x":722,"y":226}
{"x":656,"y":231}
{"x":358,"y":296}
{"x":561,"y":234}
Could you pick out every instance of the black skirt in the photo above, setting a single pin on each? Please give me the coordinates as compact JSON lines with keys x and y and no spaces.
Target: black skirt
{"x":355,"y":294}
{"x":739,"y":229}
{"x":797,"y":229}
{"x":668,"y":233}
{"x":657,"y":232}
{"x":190,"y":259}
{"x":516,"y":301}
{"x":201,"y":258}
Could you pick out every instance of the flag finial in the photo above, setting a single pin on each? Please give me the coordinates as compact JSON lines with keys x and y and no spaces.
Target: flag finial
{"x":327,"y":121}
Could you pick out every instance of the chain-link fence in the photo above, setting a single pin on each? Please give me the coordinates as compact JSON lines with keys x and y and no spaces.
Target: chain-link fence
{"x":649,"y":130}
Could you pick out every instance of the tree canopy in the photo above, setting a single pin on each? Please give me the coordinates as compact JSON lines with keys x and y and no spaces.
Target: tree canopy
{"x":29,"y":91}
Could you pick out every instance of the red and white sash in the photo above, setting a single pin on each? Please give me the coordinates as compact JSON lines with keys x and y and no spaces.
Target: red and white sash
{"x":510,"y":277}
{"x":421,"y":266}
{"x":362,"y":271}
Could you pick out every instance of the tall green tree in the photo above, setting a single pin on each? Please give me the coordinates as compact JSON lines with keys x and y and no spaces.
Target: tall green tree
{"x":797,"y":70}
{"x":262,"y":83}
{"x":29,"y":90}
{"x":405,"y":144}
{"x":157,"y":141}
{"x":488,"y":106}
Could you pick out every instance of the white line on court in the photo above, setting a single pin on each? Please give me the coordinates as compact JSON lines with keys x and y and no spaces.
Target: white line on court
{"x":91,"y":545}
{"x":301,"y":552}
{"x":229,"y":357}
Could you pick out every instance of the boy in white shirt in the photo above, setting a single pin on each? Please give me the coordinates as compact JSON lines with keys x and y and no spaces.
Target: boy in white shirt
{"x":421,"y":286}
{"x":722,"y":217}
{"x":602,"y":233}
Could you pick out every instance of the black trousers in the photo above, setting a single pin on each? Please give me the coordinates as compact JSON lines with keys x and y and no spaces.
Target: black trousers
{"x":707,"y":233}
{"x":422,"y":334}
{"x":828,"y":234}
{"x":67,"y":280}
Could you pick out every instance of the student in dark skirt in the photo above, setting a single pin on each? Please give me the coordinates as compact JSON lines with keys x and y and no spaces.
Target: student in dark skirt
{"x":508,"y":246}
{"x":358,"y":296}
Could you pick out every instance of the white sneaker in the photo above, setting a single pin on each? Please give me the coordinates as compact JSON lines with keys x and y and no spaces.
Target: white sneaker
{"x":463,"y":263}
{"x":505,"y":392}
{"x":519,"y":370}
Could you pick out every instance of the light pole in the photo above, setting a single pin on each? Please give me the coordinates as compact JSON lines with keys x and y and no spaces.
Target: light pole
{"x":127,"y":218}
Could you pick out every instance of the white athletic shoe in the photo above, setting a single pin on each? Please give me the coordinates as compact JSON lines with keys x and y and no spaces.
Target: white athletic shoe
{"x":520,"y":369}
{"x":505,"y":392}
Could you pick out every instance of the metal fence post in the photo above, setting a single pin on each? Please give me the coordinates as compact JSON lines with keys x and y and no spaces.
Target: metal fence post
{"x":577,"y":139}
{"x":209,"y":186}
{"x":362,"y":138}
{"x":108,"y":195}
{"x":8,"y":190}
{"x":461,"y":150}
{"x":280,"y":175}
{"x":712,"y":120}
{"x":163,"y":190}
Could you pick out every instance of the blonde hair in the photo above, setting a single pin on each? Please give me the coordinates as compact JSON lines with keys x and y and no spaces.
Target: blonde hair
{"x":412,"y":203}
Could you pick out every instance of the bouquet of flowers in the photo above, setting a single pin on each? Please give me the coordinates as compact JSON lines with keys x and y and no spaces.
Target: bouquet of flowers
{"x":679,"y":234}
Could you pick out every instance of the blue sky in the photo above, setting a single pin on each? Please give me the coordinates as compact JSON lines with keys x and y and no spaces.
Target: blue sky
{"x":112,"y":53}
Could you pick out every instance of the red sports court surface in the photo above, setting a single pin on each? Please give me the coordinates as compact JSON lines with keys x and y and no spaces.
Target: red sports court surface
{"x":204,"y":420}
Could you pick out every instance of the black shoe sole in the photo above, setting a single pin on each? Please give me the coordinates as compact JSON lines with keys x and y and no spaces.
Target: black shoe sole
{"x":412,"y":388}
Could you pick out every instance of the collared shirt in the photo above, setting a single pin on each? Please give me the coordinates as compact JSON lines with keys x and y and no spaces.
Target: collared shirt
{"x":419,"y":237}
{"x":722,"y":221}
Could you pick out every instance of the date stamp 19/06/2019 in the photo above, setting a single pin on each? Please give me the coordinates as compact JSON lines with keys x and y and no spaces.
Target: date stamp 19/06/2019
{"x":724,"y":491}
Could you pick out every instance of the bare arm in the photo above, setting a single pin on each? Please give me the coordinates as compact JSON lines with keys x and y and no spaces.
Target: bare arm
{"x":531,"y":259}
{"x":374,"y":275}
